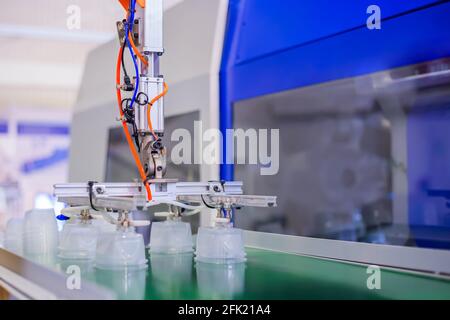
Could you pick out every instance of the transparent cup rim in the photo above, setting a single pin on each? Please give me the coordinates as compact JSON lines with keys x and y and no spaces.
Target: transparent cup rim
{"x":133,"y":266}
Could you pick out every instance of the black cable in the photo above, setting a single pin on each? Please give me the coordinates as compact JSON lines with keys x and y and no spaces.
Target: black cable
{"x":127,"y":102}
{"x":91,"y":194}
{"x":136,"y":137}
{"x":122,"y":59}
{"x":204,"y":202}
{"x":138,"y":99}
{"x":128,"y":113}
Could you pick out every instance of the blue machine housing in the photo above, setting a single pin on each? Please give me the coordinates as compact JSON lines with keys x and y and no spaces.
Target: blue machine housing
{"x":273,"y":46}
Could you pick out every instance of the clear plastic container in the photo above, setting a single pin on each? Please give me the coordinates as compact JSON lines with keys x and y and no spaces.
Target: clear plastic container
{"x":220,"y":281}
{"x":104,"y":226}
{"x":40,"y":232}
{"x":14,"y":236}
{"x":122,"y":249}
{"x":86,"y":267}
{"x":171,"y":274}
{"x":78,"y":240}
{"x":172,"y":268}
{"x":127,"y":284}
{"x":171,"y":236}
{"x":220,"y":245}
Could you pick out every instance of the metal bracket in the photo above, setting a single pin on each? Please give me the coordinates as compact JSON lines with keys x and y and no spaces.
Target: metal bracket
{"x":135,"y":33}
{"x":131,"y":196}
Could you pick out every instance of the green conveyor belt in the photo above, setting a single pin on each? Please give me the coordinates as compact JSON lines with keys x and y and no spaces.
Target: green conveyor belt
{"x":265,"y":275}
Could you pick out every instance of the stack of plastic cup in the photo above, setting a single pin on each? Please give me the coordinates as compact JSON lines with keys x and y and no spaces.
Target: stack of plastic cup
{"x":78,"y":240}
{"x":171,"y":236}
{"x":220,"y":281}
{"x":40,"y":233}
{"x":221,"y":245}
{"x":121,"y":249}
{"x":171,"y":274}
{"x":127,"y":284}
{"x":86,"y":267}
{"x":14,"y":236}
{"x":104,"y":226}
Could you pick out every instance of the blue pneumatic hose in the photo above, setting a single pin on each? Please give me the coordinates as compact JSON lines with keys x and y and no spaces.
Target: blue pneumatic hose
{"x":136,"y":69}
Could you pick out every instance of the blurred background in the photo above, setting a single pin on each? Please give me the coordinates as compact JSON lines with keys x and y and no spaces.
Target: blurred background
{"x":42,"y":59}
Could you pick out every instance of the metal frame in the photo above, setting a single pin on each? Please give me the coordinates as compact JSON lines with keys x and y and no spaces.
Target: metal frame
{"x":167,"y":188}
{"x":131,"y":196}
{"x":153,"y":36}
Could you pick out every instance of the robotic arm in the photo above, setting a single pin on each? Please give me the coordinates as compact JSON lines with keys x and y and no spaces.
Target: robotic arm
{"x":141,"y":35}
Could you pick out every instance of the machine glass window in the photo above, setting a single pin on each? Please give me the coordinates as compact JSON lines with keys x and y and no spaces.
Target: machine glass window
{"x":364,"y":159}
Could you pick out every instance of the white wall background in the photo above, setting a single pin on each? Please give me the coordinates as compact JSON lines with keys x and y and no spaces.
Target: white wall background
{"x":41,"y":59}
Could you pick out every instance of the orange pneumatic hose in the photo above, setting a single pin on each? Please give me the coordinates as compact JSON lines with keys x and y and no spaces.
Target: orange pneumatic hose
{"x":136,"y":51}
{"x":127,"y":132}
{"x":149,"y":107}
{"x":155,"y":99}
